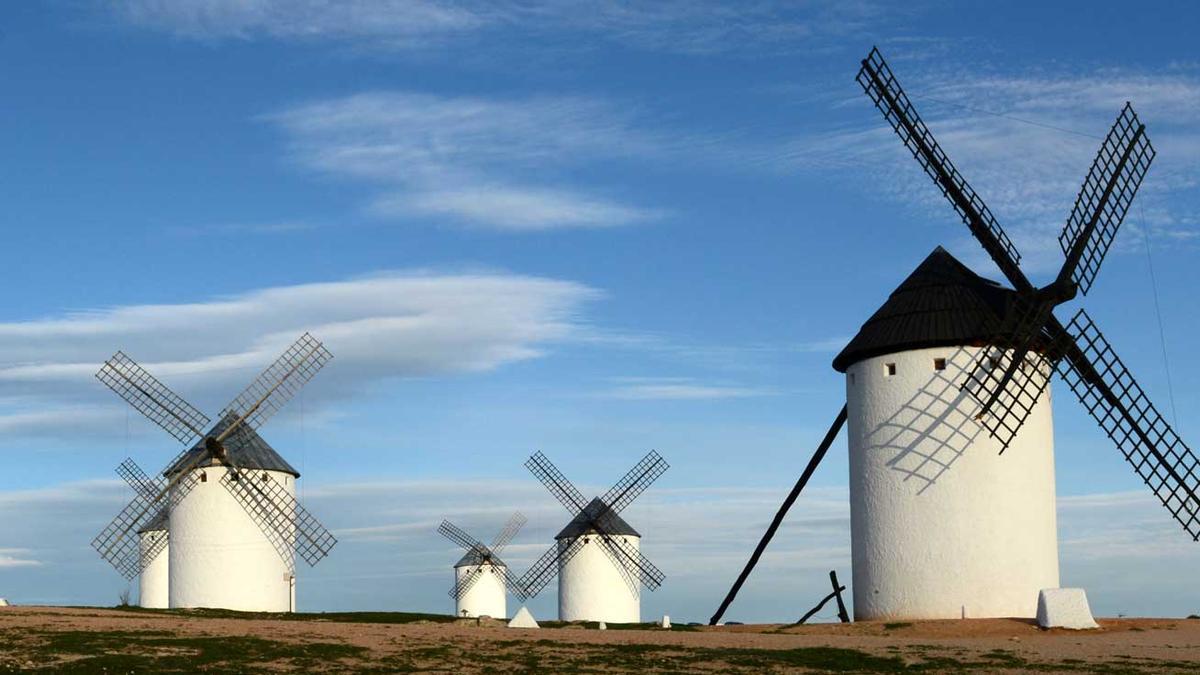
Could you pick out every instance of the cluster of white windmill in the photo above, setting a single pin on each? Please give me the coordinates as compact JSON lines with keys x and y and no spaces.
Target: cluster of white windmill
{"x":221,"y":527}
{"x":596,"y":556}
{"x":952,"y":370}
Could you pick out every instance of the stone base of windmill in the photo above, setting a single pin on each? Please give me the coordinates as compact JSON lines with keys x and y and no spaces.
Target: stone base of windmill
{"x":1065,"y":608}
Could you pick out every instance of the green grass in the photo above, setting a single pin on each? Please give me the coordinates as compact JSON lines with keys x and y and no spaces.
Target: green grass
{"x":341,"y":617}
{"x":159,"y":652}
{"x":897,"y":625}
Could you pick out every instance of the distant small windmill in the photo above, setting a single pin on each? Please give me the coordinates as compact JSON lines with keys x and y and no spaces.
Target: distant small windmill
{"x":231,"y":547}
{"x":597,"y":556}
{"x":481,"y":578}
{"x":954,"y":368}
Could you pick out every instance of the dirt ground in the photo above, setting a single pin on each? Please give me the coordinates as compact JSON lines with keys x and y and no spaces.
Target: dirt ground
{"x":55,"y":639}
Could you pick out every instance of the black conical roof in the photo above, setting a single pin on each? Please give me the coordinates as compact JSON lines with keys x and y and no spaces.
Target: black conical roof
{"x":582,"y":523}
{"x":941,"y":303}
{"x":472,"y":558}
{"x":246,"y":450}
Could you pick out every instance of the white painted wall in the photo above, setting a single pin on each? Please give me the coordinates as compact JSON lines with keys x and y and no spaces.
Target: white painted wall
{"x":591,"y":588}
{"x":487,"y":595}
{"x":940,"y":523}
{"x":218,"y":555}
{"x":153,"y":582}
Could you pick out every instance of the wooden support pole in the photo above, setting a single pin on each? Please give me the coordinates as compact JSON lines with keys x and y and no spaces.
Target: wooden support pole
{"x":787,"y":504}
{"x":837,"y":592}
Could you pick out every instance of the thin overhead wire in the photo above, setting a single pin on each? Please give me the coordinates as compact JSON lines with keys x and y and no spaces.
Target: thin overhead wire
{"x":1007,"y":116}
{"x":1162,"y":336}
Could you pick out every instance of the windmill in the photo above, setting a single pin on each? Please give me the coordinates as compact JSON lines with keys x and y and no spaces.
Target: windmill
{"x":481,"y":578}
{"x":231,"y":546}
{"x":954,"y":369}
{"x":147,"y":563}
{"x":597,"y":556}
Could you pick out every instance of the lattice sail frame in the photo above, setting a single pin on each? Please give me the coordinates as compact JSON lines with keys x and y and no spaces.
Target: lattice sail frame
{"x":288,"y":525}
{"x":276,"y":385}
{"x":1008,"y":380}
{"x":118,"y":547}
{"x":1167,"y":465}
{"x":1106,"y":194}
{"x":881,"y":86}
{"x":152,"y":398}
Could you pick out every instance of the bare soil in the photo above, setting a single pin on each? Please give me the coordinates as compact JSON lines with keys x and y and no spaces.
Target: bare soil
{"x":56,"y":639}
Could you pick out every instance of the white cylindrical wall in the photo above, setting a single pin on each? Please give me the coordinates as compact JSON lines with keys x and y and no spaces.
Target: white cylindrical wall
{"x":153,"y":581}
{"x":942,"y":525}
{"x":485,"y":597}
{"x":591,"y":588}
{"x":219,"y":557}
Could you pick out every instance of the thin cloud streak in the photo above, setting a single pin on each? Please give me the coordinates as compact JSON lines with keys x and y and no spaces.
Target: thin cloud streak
{"x":676,"y":26}
{"x":676,"y":389}
{"x":480,"y":162}
{"x":391,"y":325}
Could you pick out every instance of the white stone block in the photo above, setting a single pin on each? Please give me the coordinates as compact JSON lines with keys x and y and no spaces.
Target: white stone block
{"x":523,"y":619}
{"x":666,"y":621}
{"x":1064,"y":608}
{"x":603,"y":626}
{"x":3,"y":602}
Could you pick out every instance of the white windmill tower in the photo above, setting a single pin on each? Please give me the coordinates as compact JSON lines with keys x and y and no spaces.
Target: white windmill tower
{"x":154,"y":579}
{"x":234,"y":526}
{"x":597,"y":556}
{"x":953,"y":370}
{"x":481,"y":578}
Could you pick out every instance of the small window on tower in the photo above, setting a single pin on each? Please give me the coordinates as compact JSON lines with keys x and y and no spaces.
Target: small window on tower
{"x":939,"y":364}
{"x":203,"y":477}
{"x":264,"y":477}
{"x":889,"y":369}
{"x":851,"y":378}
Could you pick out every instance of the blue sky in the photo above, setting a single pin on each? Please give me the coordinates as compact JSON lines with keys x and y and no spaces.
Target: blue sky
{"x":591,"y":229}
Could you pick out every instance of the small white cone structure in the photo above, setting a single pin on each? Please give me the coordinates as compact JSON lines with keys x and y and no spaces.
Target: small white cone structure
{"x":939,"y":521}
{"x":153,"y":582}
{"x":597,"y":556}
{"x":523,"y":619}
{"x":222,"y":524}
{"x":481,"y":579}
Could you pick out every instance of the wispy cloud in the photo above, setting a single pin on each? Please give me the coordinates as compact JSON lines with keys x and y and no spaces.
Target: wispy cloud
{"x":385,"y":326}
{"x":15,"y":557}
{"x":1025,"y":142}
{"x":481,"y":162}
{"x":396,"y":23}
{"x":235,"y":229}
{"x":679,"y":26}
{"x":676,"y":389}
